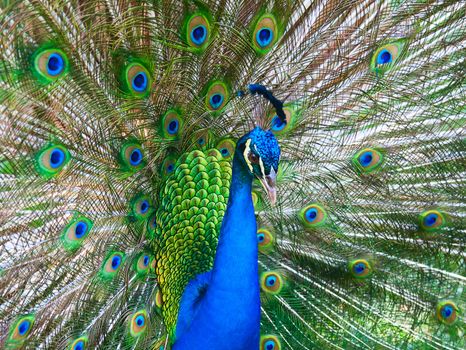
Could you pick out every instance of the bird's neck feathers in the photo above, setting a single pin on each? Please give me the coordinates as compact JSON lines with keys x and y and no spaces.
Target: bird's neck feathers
{"x":237,"y":248}
{"x":233,"y":296}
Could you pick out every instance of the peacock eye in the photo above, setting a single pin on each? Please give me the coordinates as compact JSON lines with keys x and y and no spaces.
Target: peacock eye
{"x":21,"y":329}
{"x":269,"y":342}
{"x":360,"y":268}
{"x":253,"y":158}
{"x":271,"y":282}
{"x":50,"y":64}
{"x":131,"y":156}
{"x":142,"y":264}
{"x":79,"y":344}
{"x":138,"y":323}
{"x":112,"y":264}
{"x":447,"y":312}
{"x":140,"y":206}
{"x":51,"y":160}
{"x":137,"y":80}
{"x":265,"y":33}
{"x":197,"y":31}
{"x":431,"y":220}
{"x":75,"y":232}
{"x":172,"y":124}
{"x":217,"y":94}
{"x":226,"y":148}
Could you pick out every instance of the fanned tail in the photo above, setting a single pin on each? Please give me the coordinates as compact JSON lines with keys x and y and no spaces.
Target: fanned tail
{"x":99,"y":99}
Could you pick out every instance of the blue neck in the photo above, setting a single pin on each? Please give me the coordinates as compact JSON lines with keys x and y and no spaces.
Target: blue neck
{"x":229,"y":315}
{"x":237,"y":246}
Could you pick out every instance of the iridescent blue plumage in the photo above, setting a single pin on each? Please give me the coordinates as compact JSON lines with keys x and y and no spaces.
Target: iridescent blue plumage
{"x":223,"y":305}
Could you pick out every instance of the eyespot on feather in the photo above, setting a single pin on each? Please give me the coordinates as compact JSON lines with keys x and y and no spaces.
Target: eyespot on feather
{"x":50,"y":64}
{"x":142,"y":263}
{"x":447,"y":312}
{"x":51,"y":160}
{"x":360,"y":268}
{"x":197,"y":31}
{"x":141,"y":207}
{"x":278,"y":127}
{"x":168,"y":165}
{"x":265,"y":33}
{"x":270,"y":342}
{"x":132,"y":156}
{"x":431,"y":220}
{"x":79,"y":343}
{"x":137,"y":80}
{"x":20,"y":330}
{"x":76,"y":231}
{"x":172,"y":124}
{"x":271,"y":282}
{"x":226,"y":147}
{"x":265,"y":240}
{"x":138,"y":323}
{"x":386,"y":56}
{"x":217,"y":96}
{"x":367,"y":160}
{"x":151,"y":226}
{"x":112,"y":264}
{"x":313,"y":215}
{"x":201,"y":139}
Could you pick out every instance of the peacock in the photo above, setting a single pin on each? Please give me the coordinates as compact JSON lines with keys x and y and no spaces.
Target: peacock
{"x":219,"y":174}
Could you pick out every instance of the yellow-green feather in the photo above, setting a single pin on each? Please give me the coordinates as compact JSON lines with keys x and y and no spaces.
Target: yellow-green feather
{"x":193,"y":203}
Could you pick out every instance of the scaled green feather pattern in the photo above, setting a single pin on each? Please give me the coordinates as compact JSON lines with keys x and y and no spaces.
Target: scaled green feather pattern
{"x":192,"y":204}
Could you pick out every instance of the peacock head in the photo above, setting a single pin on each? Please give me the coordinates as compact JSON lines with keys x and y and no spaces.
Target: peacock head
{"x":260,"y":152}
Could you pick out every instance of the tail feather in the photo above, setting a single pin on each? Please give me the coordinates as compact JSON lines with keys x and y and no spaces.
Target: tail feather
{"x":368,"y":235}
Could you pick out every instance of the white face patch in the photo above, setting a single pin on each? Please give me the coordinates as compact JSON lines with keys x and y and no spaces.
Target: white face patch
{"x":247,"y":149}
{"x":261,"y":164}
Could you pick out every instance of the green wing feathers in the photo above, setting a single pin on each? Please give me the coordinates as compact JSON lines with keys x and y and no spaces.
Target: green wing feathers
{"x":192,"y":204}
{"x":118,"y":123}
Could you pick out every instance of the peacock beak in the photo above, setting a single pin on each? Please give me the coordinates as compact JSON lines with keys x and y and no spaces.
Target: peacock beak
{"x":269,"y":184}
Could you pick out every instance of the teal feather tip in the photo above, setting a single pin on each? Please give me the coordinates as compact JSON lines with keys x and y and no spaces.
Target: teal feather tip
{"x":132,"y":156}
{"x":360,"y":268}
{"x":79,"y":343}
{"x":76,"y":232}
{"x":49,"y":64}
{"x":368,"y":160}
{"x":431,"y":220}
{"x":385,"y":57}
{"x":112,"y":264}
{"x":447,"y":312}
{"x":313,"y":216}
{"x":138,"y":323}
{"x":20,"y":330}
{"x":51,"y":160}
{"x":272,"y":282}
{"x":270,"y":342}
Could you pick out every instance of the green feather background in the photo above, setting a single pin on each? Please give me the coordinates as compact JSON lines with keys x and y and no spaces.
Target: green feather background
{"x":369,"y":275}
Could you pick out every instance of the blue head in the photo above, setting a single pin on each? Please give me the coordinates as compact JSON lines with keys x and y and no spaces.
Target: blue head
{"x":260,"y":153}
